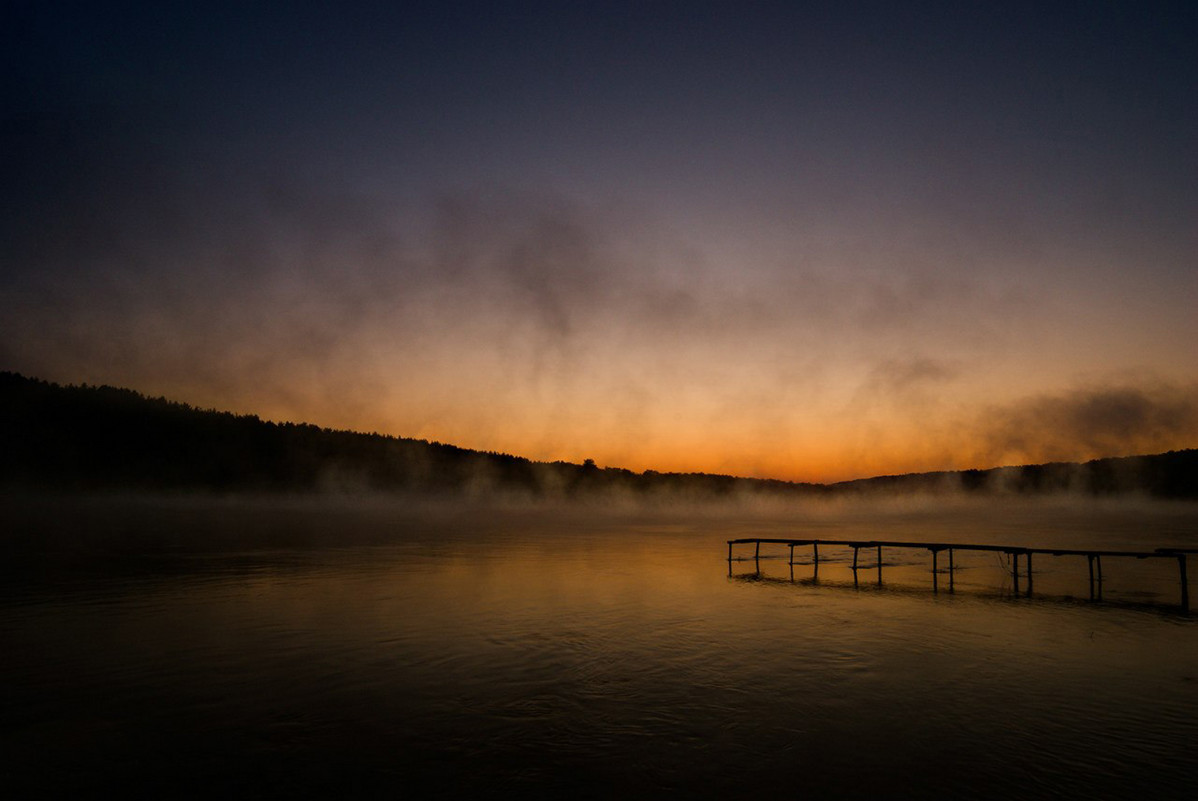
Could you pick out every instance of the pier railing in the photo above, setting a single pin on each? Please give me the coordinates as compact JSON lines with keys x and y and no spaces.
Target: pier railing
{"x":1093,"y":557}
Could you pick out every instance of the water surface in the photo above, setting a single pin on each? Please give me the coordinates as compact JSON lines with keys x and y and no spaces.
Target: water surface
{"x":280,"y":649}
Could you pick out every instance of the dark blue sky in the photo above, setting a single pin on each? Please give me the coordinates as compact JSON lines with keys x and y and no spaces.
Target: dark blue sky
{"x":254,"y":204}
{"x":678,"y":96}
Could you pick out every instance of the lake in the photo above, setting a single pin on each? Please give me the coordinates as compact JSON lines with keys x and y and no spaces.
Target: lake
{"x":269,"y":648}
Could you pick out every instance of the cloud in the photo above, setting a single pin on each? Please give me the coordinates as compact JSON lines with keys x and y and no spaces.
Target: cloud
{"x":1089,"y":423}
{"x":904,"y":375}
{"x":532,"y":324}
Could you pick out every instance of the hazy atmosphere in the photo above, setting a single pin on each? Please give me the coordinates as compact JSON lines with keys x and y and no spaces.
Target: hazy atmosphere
{"x":797,"y":240}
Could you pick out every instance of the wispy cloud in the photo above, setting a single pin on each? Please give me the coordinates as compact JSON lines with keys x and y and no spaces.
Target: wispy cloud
{"x":1090,"y":422}
{"x":536,"y":325}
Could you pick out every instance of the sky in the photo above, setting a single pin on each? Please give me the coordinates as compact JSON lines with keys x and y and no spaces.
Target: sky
{"x":809,"y":241}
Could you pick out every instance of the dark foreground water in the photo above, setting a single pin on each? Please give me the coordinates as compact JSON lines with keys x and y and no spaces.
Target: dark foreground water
{"x":301,"y":649}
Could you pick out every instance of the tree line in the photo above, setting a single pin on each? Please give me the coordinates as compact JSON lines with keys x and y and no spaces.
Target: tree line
{"x":99,"y":437}
{"x":95,"y":438}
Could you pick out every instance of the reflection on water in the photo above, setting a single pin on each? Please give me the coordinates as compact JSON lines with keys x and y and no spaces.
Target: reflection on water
{"x":548,"y":655}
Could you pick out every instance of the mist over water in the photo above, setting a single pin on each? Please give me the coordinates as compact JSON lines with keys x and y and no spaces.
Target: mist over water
{"x":191,"y":647}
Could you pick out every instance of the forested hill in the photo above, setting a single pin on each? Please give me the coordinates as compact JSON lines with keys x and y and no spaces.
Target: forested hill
{"x":88,"y":438}
{"x":1163,"y":475}
{"x":100,"y":438}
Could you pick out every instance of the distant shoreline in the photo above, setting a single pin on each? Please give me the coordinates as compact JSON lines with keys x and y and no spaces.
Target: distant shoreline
{"x":102,"y":439}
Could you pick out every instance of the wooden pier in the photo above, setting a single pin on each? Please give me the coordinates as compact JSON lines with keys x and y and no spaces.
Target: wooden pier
{"x":1093,"y":559}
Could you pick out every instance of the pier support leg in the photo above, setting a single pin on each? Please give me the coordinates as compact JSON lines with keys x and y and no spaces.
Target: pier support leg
{"x":950,"y":569}
{"x":1029,"y":574}
{"x":792,"y":556}
{"x":879,"y":565}
{"x":729,"y":553}
{"x":935,"y":577}
{"x":1185,"y":583}
{"x":815,"y":561}
{"x":855,"y":550}
{"x":1098,"y":559}
{"x":1015,"y":570}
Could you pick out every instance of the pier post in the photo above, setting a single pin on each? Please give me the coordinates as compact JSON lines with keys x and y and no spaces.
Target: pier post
{"x":757,"y":550}
{"x":1185,"y":582}
{"x":855,"y":549}
{"x":935,"y":578}
{"x":729,"y":552}
{"x":879,"y":565}
{"x":950,"y":569}
{"x":815,"y":553}
{"x":1015,"y":569}
{"x":792,"y":557}
{"x":1098,"y":559}
{"x":1029,"y":574}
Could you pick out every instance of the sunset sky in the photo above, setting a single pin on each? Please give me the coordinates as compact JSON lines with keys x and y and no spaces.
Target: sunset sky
{"x":809,"y":241}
